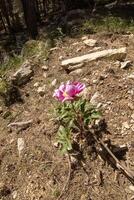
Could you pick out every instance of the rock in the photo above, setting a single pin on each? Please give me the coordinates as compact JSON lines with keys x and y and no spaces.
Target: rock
{"x":94,"y":98}
{"x":36,"y":84}
{"x":23,"y":75}
{"x":20,"y":145}
{"x":90,"y":42}
{"x":42,"y":90}
{"x":125,"y":125}
{"x":77,"y":71}
{"x":45,"y":68}
{"x":126,"y":64}
{"x":54,"y":82}
{"x":117,"y":54}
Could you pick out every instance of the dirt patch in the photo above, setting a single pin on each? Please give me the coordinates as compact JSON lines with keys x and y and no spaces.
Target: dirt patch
{"x":41,"y":172}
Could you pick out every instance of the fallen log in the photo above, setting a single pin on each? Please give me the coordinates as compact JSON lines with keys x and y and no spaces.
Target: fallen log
{"x":117,"y":54}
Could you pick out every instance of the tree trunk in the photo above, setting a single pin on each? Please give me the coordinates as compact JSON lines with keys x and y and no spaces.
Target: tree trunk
{"x":30,"y":17}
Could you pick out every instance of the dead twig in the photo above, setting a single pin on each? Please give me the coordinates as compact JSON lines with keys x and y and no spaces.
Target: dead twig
{"x":129,"y":174}
{"x":21,"y":125}
{"x":68,"y":178}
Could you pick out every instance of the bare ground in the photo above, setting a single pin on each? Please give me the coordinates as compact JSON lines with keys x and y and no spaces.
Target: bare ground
{"x":41,"y":172}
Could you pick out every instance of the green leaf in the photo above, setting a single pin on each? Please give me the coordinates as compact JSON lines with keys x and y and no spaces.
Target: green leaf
{"x":64,"y":138}
{"x":95,"y":115}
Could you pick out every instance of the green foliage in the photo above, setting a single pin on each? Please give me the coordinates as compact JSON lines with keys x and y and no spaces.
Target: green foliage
{"x":64,"y":139}
{"x":70,"y":113}
{"x":3,"y":86}
{"x":108,"y":24}
{"x":34,"y":49}
{"x":13,"y":63}
{"x":74,"y":117}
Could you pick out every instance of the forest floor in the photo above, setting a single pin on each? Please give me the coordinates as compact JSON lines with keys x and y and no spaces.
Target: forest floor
{"x":40,"y":172}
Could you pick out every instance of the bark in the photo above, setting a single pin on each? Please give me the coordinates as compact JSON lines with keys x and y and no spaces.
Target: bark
{"x":30,"y":17}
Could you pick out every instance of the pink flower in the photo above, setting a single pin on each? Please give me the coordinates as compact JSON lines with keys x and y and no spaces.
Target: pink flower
{"x":68,"y":91}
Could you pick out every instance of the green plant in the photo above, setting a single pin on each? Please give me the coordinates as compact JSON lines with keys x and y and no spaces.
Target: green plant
{"x":74,"y":115}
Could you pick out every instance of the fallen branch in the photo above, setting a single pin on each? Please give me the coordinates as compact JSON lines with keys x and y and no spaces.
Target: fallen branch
{"x":22,"y":125}
{"x":117,"y":54}
{"x":129,"y":174}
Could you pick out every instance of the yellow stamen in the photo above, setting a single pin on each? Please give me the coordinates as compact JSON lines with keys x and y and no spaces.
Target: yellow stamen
{"x":65,"y":94}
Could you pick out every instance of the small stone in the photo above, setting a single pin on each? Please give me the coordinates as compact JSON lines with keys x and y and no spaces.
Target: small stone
{"x":77,"y":71}
{"x":42,"y":90}
{"x":76,"y":43}
{"x":20,"y":145}
{"x":125,"y":125}
{"x":14,"y":194}
{"x":36,"y":84}
{"x":54,"y":82}
{"x":45,"y":68}
{"x":95,"y":81}
{"x":90,"y":42}
{"x":99,"y":105}
{"x":126,"y":64}
{"x":74,"y":161}
{"x":117,"y":63}
{"x":54,"y":48}
{"x":84,"y":37}
{"x":60,"y":58}
{"x":131,"y":187}
{"x":1,"y":110}
{"x":131,"y":36}
{"x":79,"y":49}
{"x":86,"y":80}
{"x":56,"y":144}
{"x":131,"y":106}
{"x":132,"y":116}
{"x":45,"y":75}
{"x":94,"y":98}
{"x":86,"y":93}
{"x":131,"y":76}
